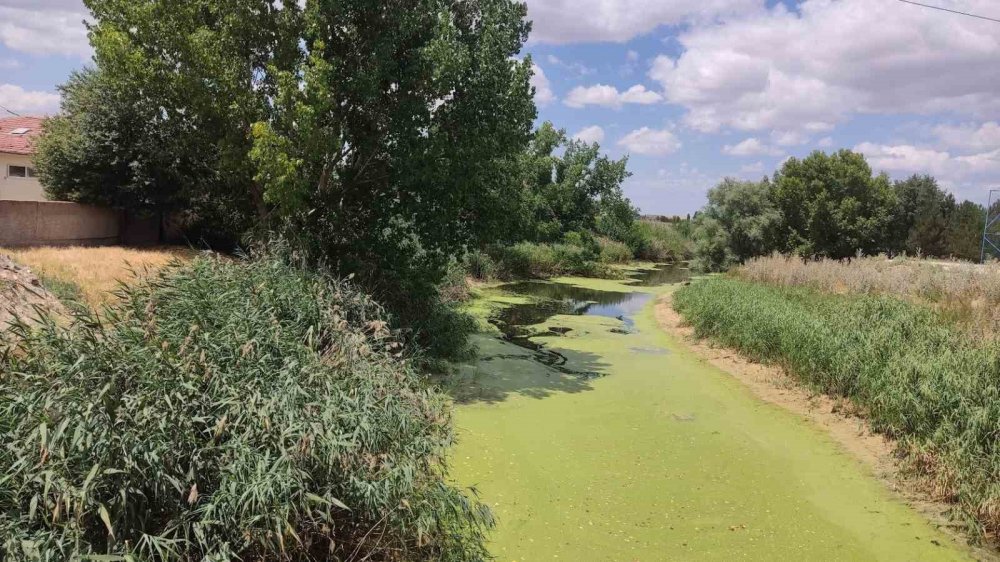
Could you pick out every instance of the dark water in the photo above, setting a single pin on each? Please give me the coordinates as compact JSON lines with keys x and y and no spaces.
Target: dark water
{"x":552,"y":299}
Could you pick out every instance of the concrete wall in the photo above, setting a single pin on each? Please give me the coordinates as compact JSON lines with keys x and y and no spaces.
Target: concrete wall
{"x":18,"y":189}
{"x":54,"y":223}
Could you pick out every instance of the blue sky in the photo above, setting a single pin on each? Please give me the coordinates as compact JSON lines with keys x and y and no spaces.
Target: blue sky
{"x":697,"y":90}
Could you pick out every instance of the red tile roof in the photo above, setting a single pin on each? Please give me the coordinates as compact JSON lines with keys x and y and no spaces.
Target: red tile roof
{"x":19,"y":144}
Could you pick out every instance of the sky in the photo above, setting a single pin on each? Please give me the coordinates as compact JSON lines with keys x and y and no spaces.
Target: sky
{"x":697,"y":90}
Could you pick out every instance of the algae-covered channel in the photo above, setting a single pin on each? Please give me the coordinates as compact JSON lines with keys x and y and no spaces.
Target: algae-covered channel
{"x":593,"y":436}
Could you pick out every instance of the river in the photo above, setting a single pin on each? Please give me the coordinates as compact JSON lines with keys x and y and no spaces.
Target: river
{"x":593,"y":436}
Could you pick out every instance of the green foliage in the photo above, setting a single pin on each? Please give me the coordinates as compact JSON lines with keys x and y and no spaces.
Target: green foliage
{"x":381,"y":138}
{"x":832,"y":206}
{"x":613,"y":251}
{"x":662,"y":241}
{"x":533,"y":259}
{"x":394,"y":136}
{"x":226,"y":409}
{"x":917,"y":377}
{"x":577,"y":191}
{"x":740,"y":221}
{"x":921,"y":219}
{"x":480,"y":265}
{"x":965,"y":231}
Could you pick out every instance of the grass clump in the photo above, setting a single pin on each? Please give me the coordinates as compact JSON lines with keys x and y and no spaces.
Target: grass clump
{"x":661,"y":241}
{"x":223,"y":410}
{"x":533,"y":259}
{"x":912,"y":373}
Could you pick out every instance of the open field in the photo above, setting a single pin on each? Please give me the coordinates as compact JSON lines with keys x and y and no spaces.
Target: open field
{"x":93,"y":273}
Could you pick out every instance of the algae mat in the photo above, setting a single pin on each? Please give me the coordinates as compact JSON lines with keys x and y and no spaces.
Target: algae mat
{"x":662,"y":458}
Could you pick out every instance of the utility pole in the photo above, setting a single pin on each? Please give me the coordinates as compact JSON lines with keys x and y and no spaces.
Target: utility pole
{"x":991,"y":235}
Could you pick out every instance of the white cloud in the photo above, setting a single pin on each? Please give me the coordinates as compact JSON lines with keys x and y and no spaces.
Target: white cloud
{"x":752,"y":170}
{"x":825,"y":142}
{"x":590,"y":21}
{"x":970,"y":136}
{"x":543,"y":89}
{"x":44,"y":27}
{"x":809,"y":69}
{"x":577,"y":68}
{"x":19,"y":100}
{"x":590,"y":134}
{"x":651,"y":142}
{"x":9,"y":64}
{"x":609,"y":96}
{"x":752,"y":147}
{"x":952,"y":170}
{"x":789,"y":138}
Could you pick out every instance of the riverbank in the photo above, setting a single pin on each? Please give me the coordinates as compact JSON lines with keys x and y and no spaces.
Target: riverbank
{"x":837,"y":417}
{"x":912,"y":373}
{"x":635,"y":449}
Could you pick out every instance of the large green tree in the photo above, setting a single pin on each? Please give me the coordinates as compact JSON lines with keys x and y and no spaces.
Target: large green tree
{"x":393,"y":136}
{"x":570,"y":186}
{"x":832,"y":205}
{"x":740,"y":221}
{"x":163,"y":120}
{"x":965,"y":231}
{"x":921,"y":218}
{"x":380,"y":136}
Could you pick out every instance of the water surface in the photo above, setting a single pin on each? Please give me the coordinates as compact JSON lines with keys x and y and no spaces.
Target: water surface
{"x":593,"y":436}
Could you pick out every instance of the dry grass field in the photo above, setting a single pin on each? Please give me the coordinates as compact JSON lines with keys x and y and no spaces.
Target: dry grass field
{"x":966,"y":292}
{"x":93,"y":272}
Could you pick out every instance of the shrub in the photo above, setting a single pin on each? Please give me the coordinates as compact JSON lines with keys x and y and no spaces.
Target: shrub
{"x":917,"y":378}
{"x":660,"y":242}
{"x":222,"y":410}
{"x":480,"y":265}
{"x":530,"y":259}
{"x":613,"y":251}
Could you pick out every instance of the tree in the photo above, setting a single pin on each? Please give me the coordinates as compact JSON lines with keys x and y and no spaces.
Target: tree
{"x":577,"y":191}
{"x":922,"y":216}
{"x":393,"y":135}
{"x":379,"y":136}
{"x":832,"y":205}
{"x":740,"y":221}
{"x":965,"y":231}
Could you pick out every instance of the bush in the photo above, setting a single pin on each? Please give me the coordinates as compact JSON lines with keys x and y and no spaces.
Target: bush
{"x":613,"y":251}
{"x":480,"y":265}
{"x":660,"y":242}
{"x":530,"y":259}
{"x":222,"y":410}
{"x":917,"y":377}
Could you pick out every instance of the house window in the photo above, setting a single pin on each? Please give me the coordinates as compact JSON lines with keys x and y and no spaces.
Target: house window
{"x":20,"y":172}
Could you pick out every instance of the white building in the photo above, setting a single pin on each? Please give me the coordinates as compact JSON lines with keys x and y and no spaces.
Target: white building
{"x":18,"y":180}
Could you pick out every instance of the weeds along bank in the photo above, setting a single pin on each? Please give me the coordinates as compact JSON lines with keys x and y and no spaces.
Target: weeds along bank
{"x":967,"y":293}
{"x":227,"y":409}
{"x":582,"y":254}
{"x":913,"y":372}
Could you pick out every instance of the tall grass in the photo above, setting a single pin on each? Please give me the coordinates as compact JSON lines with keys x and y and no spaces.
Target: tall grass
{"x":962,"y":291}
{"x":915,"y":376}
{"x":531,"y":259}
{"x":661,"y":242}
{"x":93,"y":273}
{"x":226,"y":410}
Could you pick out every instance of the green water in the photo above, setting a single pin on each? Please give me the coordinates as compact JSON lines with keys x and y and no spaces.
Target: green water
{"x":632,"y":449}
